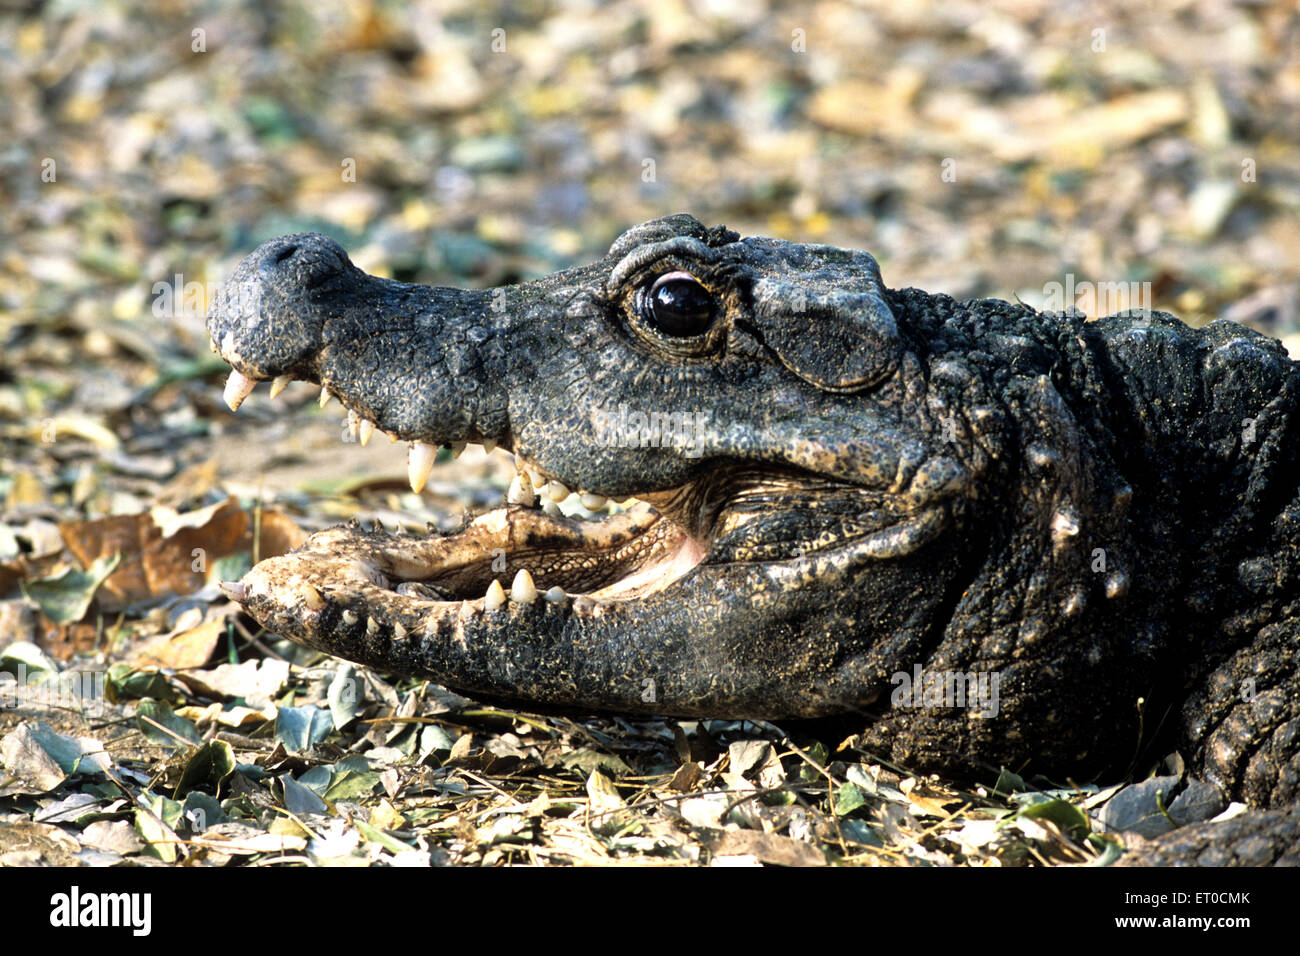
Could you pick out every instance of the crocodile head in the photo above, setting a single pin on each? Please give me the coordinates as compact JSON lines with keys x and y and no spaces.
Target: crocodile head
{"x":821,"y":471}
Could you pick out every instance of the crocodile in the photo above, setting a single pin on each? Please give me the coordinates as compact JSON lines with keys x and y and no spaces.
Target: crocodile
{"x":772,"y":487}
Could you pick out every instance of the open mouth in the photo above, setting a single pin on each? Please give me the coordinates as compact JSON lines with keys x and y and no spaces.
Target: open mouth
{"x":574,"y":549}
{"x":551,"y":550}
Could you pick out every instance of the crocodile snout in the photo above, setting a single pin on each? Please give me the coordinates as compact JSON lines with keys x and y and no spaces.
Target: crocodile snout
{"x":266,"y":319}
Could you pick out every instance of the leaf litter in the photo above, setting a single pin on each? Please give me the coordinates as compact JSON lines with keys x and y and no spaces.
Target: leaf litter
{"x":144,"y":720}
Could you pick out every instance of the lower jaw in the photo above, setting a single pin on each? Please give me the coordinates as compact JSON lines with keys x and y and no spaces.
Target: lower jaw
{"x":515,"y":553}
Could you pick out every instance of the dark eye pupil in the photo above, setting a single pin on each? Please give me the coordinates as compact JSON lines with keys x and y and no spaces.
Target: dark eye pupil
{"x":679,"y":306}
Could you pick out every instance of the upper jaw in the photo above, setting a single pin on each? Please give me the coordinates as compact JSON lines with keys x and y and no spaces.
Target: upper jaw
{"x":262,"y":319}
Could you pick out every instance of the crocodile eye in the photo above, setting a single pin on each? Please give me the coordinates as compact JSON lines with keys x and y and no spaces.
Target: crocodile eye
{"x":678,"y":305}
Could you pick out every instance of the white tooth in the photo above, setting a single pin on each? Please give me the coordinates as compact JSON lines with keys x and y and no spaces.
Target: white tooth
{"x":354,"y":421}
{"x":419,"y":462}
{"x":592,"y":502}
{"x":523,"y":591}
{"x":456,"y":448}
{"x":556,"y":595}
{"x":489,"y":445}
{"x":551,"y":508}
{"x":556,"y":491}
{"x":536,"y":478}
{"x":349,"y":617}
{"x":325,"y":396}
{"x":495,"y":597}
{"x":392,"y":438}
{"x":399,"y":632}
{"x":238,"y":388}
{"x":279,"y":383}
{"x":311,"y":597}
{"x":521,"y":493}
{"x":367,"y":430}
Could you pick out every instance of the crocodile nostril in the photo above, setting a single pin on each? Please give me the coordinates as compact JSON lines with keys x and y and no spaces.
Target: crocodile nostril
{"x":286,"y":252}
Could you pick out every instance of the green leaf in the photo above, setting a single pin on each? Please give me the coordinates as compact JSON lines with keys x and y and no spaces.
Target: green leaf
{"x":298,"y":799}
{"x":210,"y":764}
{"x":317,"y":778}
{"x":124,"y":682}
{"x":33,"y":660}
{"x":157,"y":722}
{"x":1008,"y":782}
{"x":1111,"y":851}
{"x":301,"y":728}
{"x":859,"y":831}
{"x":270,"y":121}
{"x":350,"y":784}
{"x":344,"y":695}
{"x":818,"y":753}
{"x":201,"y":811}
{"x":232,"y":567}
{"x":847,"y":799}
{"x":1065,"y":815}
{"x":433,"y":739}
{"x":65,"y":598}
{"x":161,"y":836}
{"x":376,"y":835}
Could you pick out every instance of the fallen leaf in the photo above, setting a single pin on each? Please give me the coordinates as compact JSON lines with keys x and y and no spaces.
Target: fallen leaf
{"x":766,"y":847}
{"x":191,"y":648}
{"x":175,"y":559}
{"x":66,"y":597}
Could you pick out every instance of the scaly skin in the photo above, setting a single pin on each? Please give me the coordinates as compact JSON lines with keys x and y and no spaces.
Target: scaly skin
{"x":1103,"y":515}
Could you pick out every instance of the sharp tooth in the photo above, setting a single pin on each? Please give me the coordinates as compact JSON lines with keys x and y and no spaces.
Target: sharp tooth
{"x":456,"y":448}
{"x":495,"y":597}
{"x":592,"y":502}
{"x":325,"y":396}
{"x":279,"y":383}
{"x":419,"y":462}
{"x":551,"y":508}
{"x":399,"y":632}
{"x":372,"y":626}
{"x":354,"y":420}
{"x":521,"y":493}
{"x":238,"y":388}
{"x":367,"y":430}
{"x":556,"y":595}
{"x":391,"y":438}
{"x":556,"y":491}
{"x":523,"y":591}
{"x":311,"y":597}
{"x":235,"y":591}
{"x":349,"y":617}
{"x":536,"y":478}
{"x":489,"y":445}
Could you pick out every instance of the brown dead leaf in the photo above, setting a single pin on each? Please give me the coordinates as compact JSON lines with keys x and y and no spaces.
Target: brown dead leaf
{"x":862,"y":108}
{"x":687,"y":778}
{"x":154,"y":564}
{"x":767,"y":847}
{"x":190,"y":485}
{"x":1095,"y":130}
{"x":190,"y":648}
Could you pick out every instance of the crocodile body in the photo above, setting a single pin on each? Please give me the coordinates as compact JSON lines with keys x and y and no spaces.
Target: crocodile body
{"x":853,"y":499}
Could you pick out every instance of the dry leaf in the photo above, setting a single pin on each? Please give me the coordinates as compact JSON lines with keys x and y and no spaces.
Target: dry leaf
{"x":175,"y":560}
{"x":191,"y":648}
